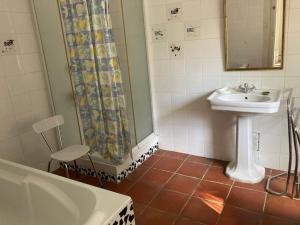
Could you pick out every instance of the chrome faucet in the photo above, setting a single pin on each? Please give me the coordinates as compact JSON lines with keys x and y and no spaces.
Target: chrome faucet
{"x":246,"y":88}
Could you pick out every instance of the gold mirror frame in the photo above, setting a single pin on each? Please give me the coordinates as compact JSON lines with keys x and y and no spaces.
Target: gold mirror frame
{"x":258,"y":68}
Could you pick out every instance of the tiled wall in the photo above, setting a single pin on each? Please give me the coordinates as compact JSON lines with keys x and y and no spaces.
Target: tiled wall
{"x":23,"y":93}
{"x":181,"y":84}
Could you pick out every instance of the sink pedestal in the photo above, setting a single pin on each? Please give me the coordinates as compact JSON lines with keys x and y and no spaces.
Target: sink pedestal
{"x":244,"y":168}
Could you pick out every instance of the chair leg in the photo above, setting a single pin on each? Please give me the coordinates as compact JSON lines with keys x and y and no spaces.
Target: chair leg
{"x":76,"y":168}
{"x":66,"y":170}
{"x":90,"y":158}
{"x":49,"y":165}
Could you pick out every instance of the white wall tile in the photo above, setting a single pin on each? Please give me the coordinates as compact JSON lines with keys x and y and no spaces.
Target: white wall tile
{"x":23,"y":23}
{"x":5,"y":107}
{"x":11,"y":149}
{"x":21,"y":82}
{"x":32,"y":62}
{"x":293,"y":43}
{"x":211,"y":9}
{"x":27,"y":43}
{"x":16,"y":85}
{"x":191,"y":10}
{"x":160,"y":51}
{"x":158,"y":15}
{"x":20,"y":6}
{"x":5,"y":5}
{"x":175,"y":32}
{"x":294,"y":20}
{"x":22,"y":104}
{"x":7,"y":128}
{"x":294,"y":4}
{"x":12,"y":65}
{"x":6,"y":23}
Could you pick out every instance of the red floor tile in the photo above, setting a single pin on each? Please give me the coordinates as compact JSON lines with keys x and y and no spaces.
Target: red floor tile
{"x":168,"y":164}
{"x":271,"y":220}
{"x":72,"y":174}
{"x":219,"y":163}
{"x":279,"y":185}
{"x":138,"y":208}
{"x":91,"y":181}
{"x":198,"y":159}
{"x":151,"y":160}
{"x":258,"y":186}
{"x":176,"y":155}
{"x":193,"y":169}
{"x":160,"y":152}
{"x":169,"y":201}
{"x":212,"y":191}
{"x":182,"y":184}
{"x":122,"y":187}
{"x":236,"y":216}
{"x":155,"y":217}
{"x":217,"y":174}
{"x":138,"y":172}
{"x":247,"y":199}
{"x":186,"y":221}
{"x":203,"y":211}
{"x":283,"y":207}
{"x":156,"y":177}
{"x":268,"y":171}
{"x":276,"y":172}
{"x":142,"y":192}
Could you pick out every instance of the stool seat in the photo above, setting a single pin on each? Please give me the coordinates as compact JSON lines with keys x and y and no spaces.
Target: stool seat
{"x":71,"y":153}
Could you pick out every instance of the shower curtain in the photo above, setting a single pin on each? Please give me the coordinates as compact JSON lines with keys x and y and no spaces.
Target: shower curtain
{"x":96,"y":77}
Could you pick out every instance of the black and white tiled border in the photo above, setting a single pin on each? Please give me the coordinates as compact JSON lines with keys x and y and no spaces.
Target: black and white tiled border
{"x":124,"y":217}
{"x":121,"y":176}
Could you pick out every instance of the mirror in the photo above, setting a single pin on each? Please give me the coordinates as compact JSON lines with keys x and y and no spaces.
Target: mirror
{"x":254,"y":34}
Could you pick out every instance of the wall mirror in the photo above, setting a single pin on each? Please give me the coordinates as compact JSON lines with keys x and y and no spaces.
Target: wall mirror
{"x":254,"y":34}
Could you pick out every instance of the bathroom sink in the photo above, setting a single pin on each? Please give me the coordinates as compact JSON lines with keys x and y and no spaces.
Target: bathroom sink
{"x":245,"y":105}
{"x":258,"y":101}
{"x":244,"y":98}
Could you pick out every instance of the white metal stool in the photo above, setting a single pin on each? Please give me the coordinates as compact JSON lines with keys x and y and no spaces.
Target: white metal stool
{"x":64,"y":155}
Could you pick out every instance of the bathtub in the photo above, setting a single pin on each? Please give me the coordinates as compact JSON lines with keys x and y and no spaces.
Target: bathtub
{"x":32,"y":197}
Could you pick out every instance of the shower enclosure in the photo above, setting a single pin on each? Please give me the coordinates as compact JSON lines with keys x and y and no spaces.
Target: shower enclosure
{"x":129,"y":36}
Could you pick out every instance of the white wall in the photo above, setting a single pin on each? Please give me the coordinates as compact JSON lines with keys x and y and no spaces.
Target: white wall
{"x":23,"y":92}
{"x":183,"y":118}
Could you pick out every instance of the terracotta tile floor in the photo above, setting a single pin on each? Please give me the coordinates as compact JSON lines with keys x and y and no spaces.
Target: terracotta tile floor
{"x":177,"y":189}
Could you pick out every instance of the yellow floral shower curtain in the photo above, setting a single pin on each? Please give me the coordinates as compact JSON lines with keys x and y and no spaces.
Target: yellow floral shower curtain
{"x":97,"y":77}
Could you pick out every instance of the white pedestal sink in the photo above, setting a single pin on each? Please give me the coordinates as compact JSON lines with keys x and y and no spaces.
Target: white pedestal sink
{"x":245,"y":106}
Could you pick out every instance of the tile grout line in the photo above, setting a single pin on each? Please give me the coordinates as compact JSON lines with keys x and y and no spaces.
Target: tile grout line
{"x":162,"y":187}
{"x":192,"y":194}
{"x":140,"y":178}
{"x":224,"y":203}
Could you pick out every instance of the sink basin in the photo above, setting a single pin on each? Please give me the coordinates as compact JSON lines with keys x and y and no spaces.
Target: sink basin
{"x":254,"y":102}
{"x":244,"y":98}
{"x":245,"y":105}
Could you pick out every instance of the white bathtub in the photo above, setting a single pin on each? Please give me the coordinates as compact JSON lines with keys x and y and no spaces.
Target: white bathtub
{"x":32,"y":197}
